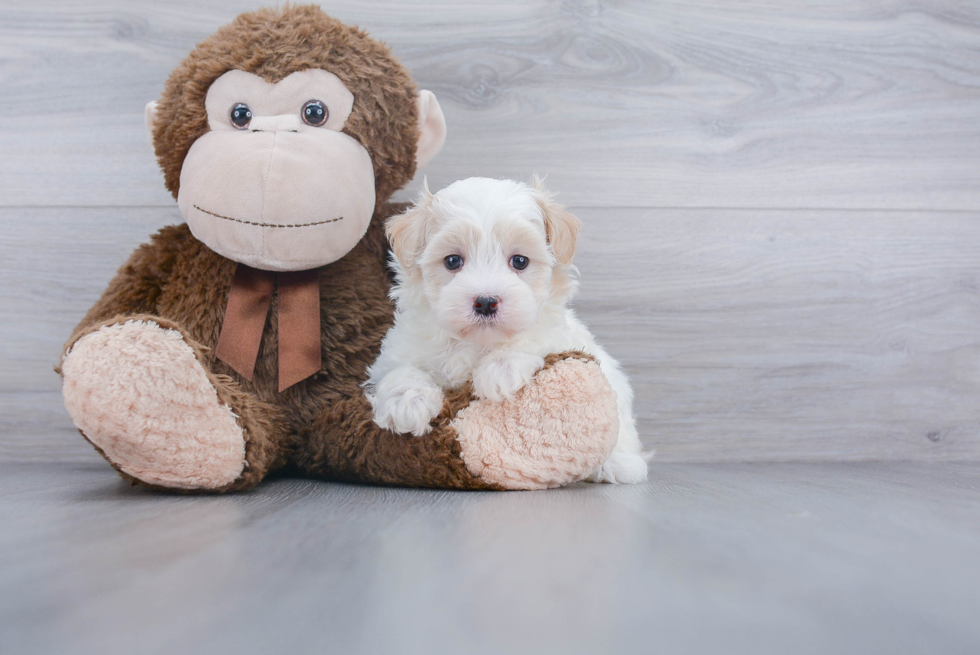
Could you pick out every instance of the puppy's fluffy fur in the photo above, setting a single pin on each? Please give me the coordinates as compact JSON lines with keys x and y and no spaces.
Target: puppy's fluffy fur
{"x":440,"y":339}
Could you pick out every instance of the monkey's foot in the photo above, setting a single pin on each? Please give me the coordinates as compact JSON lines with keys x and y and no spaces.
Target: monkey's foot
{"x":138,"y":392}
{"x":557,"y":430}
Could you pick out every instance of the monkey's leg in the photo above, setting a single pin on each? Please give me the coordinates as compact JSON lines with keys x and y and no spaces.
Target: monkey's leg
{"x":137,"y":389}
{"x":559,"y":429}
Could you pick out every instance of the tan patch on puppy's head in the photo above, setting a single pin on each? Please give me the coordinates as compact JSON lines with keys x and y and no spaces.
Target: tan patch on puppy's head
{"x":408,"y":232}
{"x":561,"y":226}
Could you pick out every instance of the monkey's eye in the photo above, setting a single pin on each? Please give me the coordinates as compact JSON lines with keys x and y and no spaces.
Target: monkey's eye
{"x":241,"y":116}
{"x":519,"y":262}
{"x":315,"y":113}
{"x":453,"y":262}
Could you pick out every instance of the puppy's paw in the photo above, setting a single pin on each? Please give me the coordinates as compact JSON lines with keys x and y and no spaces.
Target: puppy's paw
{"x":406,"y":400}
{"x":621,"y":468}
{"x":501,"y":375}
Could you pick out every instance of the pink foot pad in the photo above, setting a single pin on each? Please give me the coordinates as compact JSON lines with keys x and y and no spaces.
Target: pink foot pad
{"x":138,"y":392}
{"x":556,"y":431}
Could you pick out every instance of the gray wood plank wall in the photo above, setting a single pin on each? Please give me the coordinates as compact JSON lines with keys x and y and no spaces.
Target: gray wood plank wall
{"x":781,"y":199}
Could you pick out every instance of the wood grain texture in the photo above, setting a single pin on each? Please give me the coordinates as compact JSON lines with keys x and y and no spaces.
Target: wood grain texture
{"x":737,"y":558}
{"x":758,"y":335}
{"x":867,"y":104}
{"x":792,"y":334}
{"x":780,"y":334}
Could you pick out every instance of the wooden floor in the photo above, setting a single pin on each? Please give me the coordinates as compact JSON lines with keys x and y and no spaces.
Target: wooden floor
{"x":782,"y":245}
{"x":751,"y":558}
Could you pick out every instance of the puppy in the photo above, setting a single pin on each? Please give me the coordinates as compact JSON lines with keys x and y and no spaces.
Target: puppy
{"x":483,"y":278}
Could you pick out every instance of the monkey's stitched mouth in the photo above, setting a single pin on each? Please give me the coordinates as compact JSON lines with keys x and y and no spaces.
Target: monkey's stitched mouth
{"x":238,"y":220}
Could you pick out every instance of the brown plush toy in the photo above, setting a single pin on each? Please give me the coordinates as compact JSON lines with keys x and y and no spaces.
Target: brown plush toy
{"x":234,"y":345}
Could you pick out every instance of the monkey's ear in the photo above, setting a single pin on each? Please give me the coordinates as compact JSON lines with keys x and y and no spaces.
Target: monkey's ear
{"x":408,"y":232}
{"x":561,"y":226}
{"x":150,"y":116}
{"x":433,"y":127}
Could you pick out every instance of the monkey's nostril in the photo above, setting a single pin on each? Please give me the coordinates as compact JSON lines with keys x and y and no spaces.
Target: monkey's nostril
{"x":485,"y":305}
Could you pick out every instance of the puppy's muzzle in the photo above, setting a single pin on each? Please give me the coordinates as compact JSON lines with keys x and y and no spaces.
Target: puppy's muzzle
{"x":485,"y":305}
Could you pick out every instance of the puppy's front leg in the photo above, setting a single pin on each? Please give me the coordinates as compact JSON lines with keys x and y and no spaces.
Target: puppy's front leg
{"x":406,"y":400}
{"x":502,"y":374}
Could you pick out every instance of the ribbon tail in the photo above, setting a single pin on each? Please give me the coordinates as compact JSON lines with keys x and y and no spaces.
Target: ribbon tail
{"x":299,"y":326}
{"x":241,"y":332}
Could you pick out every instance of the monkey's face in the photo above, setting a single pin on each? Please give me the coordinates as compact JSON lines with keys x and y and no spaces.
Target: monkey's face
{"x":284,"y":131}
{"x":275,"y":184}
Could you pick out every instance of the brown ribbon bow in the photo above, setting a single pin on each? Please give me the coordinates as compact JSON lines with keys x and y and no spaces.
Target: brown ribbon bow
{"x":299,"y":322}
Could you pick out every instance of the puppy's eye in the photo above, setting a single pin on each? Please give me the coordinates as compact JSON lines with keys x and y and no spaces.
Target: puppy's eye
{"x":519,"y":262}
{"x":453,"y":262}
{"x":315,"y":113}
{"x":241,"y":116}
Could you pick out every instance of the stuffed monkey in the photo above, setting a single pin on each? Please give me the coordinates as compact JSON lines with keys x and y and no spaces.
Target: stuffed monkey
{"x":234,"y":345}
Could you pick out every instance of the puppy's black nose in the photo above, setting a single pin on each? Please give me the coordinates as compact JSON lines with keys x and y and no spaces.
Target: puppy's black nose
{"x":485,"y":305}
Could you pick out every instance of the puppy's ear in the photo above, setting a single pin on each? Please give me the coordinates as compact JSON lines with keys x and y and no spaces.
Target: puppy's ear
{"x":407,"y":232}
{"x":560,"y":225}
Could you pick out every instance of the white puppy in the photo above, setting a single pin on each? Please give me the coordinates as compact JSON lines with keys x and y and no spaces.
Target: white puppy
{"x":483,"y":278}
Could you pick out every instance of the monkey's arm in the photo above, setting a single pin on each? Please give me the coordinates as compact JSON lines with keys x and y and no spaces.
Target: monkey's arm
{"x":559,"y":429}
